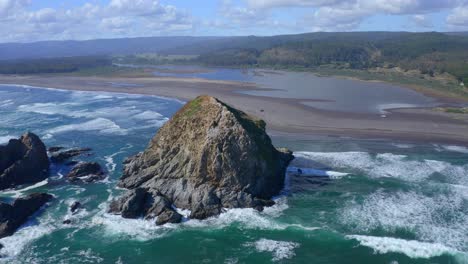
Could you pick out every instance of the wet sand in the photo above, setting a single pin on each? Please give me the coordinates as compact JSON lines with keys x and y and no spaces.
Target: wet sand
{"x":284,"y":117}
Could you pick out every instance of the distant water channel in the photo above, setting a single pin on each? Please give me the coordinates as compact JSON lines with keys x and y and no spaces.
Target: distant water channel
{"x":330,"y":93}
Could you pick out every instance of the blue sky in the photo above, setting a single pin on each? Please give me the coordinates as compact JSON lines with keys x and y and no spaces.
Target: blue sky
{"x":34,"y":20}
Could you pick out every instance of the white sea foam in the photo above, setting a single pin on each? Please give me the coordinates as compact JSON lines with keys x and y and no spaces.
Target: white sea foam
{"x":14,"y":245}
{"x":402,"y":146}
{"x":143,"y":230}
{"x":5,"y":103}
{"x":386,"y":165}
{"x":53,"y":109}
{"x":18,"y":193}
{"x":5,"y":139}
{"x":122,"y":228}
{"x":279,"y":249}
{"x":317,"y":173}
{"x":411,"y":248}
{"x":102,"y":125}
{"x":149,"y":115}
{"x":460,"y":149}
{"x":440,"y":218}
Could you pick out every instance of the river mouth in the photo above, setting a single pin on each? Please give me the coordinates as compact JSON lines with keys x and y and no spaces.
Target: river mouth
{"x":355,"y":201}
{"x":324,"y":93}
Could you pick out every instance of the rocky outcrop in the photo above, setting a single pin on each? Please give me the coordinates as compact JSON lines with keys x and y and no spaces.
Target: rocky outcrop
{"x":62,"y":156}
{"x":16,"y":214}
{"x":209,"y":156}
{"x":75,"y":206}
{"x":86,"y":172}
{"x":23,"y":161}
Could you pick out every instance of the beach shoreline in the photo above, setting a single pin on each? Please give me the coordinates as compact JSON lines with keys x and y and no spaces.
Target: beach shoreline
{"x":284,"y":117}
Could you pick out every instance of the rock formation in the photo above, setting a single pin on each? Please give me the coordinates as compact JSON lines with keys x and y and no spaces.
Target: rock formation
{"x":14,"y":215}
{"x":209,"y":156}
{"x":86,"y":172}
{"x":62,"y":156}
{"x":23,"y":161}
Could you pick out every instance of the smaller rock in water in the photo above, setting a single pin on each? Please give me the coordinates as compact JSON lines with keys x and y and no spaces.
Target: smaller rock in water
{"x":66,"y":222}
{"x":86,"y":172}
{"x":168,"y":216}
{"x":141,"y":202}
{"x":75,"y":206}
{"x":12,"y":216}
{"x":54,"y":149}
{"x":62,"y":156}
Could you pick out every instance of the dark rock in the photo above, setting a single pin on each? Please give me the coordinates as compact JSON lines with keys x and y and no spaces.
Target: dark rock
{"x":209,"y":156}
{"x":1,"y":246}
{"x":14,"y":215}
{"x":131,"y":204}
{"x":168,"y":216}
{"x":62,"y":156}
{"x":54,"y":149}
{"x":23,"y":161}
{"x":75,"y":206}
{"x":71,"y":163}
{"x":86,"y":172}
{"x":66,"y":222}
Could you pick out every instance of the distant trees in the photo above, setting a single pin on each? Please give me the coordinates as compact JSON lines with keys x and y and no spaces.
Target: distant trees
{"x":53,"y":65}
{"x":429,"y":53}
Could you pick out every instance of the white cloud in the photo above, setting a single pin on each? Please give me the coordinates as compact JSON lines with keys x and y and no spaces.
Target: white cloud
{"x":118,"y":18}
{"x":458,"y":19}
{"x":422,"y":21}
{"x":345,"y":15}
{"x":9,"y":7}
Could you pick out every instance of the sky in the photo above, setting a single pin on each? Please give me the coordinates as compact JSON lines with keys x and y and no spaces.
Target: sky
{"x":37,"y":20}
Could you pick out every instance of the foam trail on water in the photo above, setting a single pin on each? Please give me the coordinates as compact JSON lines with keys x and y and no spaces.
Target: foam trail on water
{"x":18,"y":193}
{"x":279,"y":249}
{"x":424,"y":216}
{"x":411,"y":248}
{"x":317,"y":173}
{"x":102,"y":125}
{"x":387,"y":165}
{"x":459,"y":149}
{"x":14,"y":245}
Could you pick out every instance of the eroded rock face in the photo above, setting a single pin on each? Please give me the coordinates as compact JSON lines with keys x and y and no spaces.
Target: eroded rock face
{"x":23,"y":161}
{"x":86,"y":172}
{"x":14,"y":215}
{"x":209,"y":156}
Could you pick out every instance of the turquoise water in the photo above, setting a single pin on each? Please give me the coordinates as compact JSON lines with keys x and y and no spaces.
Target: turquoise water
{"x":383,"y":202}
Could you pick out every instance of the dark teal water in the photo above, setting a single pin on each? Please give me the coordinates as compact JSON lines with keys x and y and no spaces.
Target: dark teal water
{"x":384,"y":202}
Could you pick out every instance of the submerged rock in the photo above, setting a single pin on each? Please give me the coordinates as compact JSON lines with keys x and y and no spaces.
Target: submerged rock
{"x":23,"y":161}
{"x":86,"y":172}
{"x":54,"y":149}
{"x":209,"y":156}
{"x":14,"y":215}
{"x":74,"y":207}
{"x":62,"y":156}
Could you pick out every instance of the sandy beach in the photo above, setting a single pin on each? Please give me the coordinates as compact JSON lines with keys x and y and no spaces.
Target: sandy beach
{"x":284,"y":117}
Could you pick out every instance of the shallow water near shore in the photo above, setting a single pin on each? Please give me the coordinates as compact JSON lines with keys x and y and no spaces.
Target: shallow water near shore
{"x":375,"y":202}
{"x":329,"y":93}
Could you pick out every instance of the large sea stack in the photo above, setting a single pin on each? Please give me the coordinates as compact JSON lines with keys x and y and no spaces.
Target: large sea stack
{"x":209,"y":156}
{"x":23,"y":161}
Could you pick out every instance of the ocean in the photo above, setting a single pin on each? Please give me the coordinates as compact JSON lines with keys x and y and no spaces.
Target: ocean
{"x":375,"y":202}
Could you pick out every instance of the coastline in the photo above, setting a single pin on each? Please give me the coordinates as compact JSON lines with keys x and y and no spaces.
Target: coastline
{"x":284,"y":117}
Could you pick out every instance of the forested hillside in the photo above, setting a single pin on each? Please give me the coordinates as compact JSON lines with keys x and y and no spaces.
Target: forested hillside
{"x":428,"y":52}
